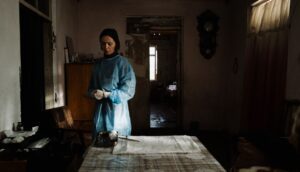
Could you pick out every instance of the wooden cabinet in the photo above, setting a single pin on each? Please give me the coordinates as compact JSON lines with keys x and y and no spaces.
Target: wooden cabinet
{"x":77,"y":81}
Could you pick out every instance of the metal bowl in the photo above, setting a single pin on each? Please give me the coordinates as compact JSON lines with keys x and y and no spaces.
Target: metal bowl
{"x":106,"y":139}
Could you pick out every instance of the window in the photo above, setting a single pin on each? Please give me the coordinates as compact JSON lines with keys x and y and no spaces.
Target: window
{"x":267,"y":15}
{"x":153,"y":62}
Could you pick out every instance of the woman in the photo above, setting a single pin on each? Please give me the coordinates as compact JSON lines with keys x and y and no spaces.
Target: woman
{"x":112,"y":84}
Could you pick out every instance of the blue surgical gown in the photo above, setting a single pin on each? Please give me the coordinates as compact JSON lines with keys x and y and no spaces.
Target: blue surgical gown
{"x":116,"y":76}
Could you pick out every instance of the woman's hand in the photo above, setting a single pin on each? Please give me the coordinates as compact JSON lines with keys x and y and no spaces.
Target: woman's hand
{"x":98,"y":94}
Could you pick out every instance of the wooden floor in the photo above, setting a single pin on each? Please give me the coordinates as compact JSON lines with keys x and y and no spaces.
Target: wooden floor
{"x":162,"y":116}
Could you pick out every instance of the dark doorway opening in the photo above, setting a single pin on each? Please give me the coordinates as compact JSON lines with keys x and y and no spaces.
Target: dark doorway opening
{"x":154,"y":47}
{"x":164,"y":86}
{"x":32,"y":66}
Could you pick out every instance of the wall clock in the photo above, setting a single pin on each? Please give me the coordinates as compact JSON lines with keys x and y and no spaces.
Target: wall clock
{"x":207,"y":28}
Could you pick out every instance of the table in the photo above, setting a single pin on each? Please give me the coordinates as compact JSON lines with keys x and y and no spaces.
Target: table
{"x":32,"y":154}
{"x":102,"y":159}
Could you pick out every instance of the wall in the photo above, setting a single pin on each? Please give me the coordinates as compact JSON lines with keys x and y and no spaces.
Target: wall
{"x":237,"y":41}
{"x":206,"y":82}
{"x":65,"y":17}
{"x":293,"y":70}
{"x":212,"y":92}
{"x":9,"y":64}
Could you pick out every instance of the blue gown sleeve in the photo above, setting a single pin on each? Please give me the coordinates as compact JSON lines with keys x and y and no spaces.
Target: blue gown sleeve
{"x":126,"y":85}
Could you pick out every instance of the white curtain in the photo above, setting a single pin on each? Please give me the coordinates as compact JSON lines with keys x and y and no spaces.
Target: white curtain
{"x":265,"y":69}
{"x":268,"y":16}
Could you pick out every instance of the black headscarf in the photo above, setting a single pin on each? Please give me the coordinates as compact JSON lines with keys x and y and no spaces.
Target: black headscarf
{"x":113,"y":34}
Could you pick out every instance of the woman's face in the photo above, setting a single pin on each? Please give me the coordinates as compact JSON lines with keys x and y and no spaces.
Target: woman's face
{"x":108,"y":45}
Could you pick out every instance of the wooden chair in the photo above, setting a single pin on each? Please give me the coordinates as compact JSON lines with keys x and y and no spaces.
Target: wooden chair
{"x":272,"y":153}
{"x":59,"y":122}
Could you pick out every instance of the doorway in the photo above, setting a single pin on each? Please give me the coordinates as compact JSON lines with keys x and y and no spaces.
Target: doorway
{"x":35,"y":34}
{"x":164,"y":71}
{"x":156,"y":48}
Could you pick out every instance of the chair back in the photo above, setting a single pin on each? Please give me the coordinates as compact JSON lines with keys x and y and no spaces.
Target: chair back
{"x":62,"y":117}
{"x":294,"y":138}
{"x":56,"y":118}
